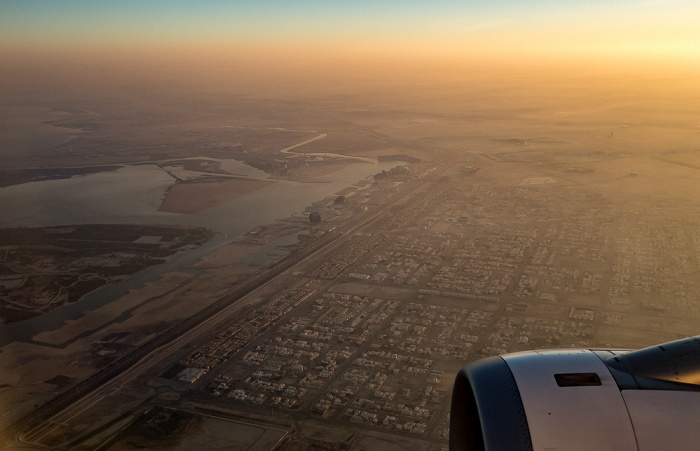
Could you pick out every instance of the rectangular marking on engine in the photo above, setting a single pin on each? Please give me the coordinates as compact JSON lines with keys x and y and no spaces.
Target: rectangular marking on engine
{"x":577,"y":379}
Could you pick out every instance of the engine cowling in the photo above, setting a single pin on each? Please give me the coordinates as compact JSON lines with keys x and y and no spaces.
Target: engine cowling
{"x":580,"y":399}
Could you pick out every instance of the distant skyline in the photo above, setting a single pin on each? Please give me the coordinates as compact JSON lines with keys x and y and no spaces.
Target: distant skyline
{"x":642,"y":28}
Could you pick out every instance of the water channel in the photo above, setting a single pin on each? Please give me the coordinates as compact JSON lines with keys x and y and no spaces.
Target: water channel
{"x":132,"y":195}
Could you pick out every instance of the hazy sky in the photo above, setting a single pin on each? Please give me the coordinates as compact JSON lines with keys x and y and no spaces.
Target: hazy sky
{"x":319,"y":35}
{"x":651,"y":27}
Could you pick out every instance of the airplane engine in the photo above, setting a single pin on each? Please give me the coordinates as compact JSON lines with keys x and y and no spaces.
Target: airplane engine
{"x":580,"y":399}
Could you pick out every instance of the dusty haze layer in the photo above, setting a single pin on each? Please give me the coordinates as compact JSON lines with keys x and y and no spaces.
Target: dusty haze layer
{"x":547,"y":204}
{"x":545,"y":196}
{"x":549,"y":91}
{"x":372,"y":104}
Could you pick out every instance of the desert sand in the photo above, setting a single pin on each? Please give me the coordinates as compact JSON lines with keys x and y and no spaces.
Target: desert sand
{"x":193,"y":197}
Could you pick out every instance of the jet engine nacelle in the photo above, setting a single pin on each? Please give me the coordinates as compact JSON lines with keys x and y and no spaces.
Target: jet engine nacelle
{"x":580,"y":399}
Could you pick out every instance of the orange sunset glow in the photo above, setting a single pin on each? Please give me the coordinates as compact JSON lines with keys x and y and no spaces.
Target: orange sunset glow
{"x":313,"y":225}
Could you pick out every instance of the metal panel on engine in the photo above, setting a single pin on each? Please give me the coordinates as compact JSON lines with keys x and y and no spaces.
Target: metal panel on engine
{"x":576,"y":416}
{"x":665,"y":419}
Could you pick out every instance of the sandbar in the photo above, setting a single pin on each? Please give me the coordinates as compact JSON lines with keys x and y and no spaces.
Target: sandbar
{"x":193,"y":197}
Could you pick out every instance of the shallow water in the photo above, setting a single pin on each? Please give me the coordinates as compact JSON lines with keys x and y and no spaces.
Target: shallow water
{"x":29,"y":127}
{"x":132,"y":195}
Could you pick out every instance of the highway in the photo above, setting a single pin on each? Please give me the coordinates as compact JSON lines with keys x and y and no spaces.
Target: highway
{"x":163,"y":349}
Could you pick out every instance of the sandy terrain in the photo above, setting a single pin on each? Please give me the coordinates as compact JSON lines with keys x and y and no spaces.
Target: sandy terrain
{"x":315,"y":171}
{"x":102,"y":315}
{"x":26,"y":370}
{"x":626,"y":145}
{"x":193,"y":197}
{"x":226,"y":256}
{"x":27,"y":367}
{"x":211,"y":433}
{"x":50,"y":267}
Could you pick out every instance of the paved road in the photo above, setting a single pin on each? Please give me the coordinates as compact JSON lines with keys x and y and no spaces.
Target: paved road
{"x":163,"y":349}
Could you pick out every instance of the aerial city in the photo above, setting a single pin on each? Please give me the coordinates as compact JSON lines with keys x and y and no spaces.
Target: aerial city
{"x":288,"y":225}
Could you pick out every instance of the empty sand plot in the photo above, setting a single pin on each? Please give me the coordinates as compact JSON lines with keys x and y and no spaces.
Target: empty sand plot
{"x":193,"y":197}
